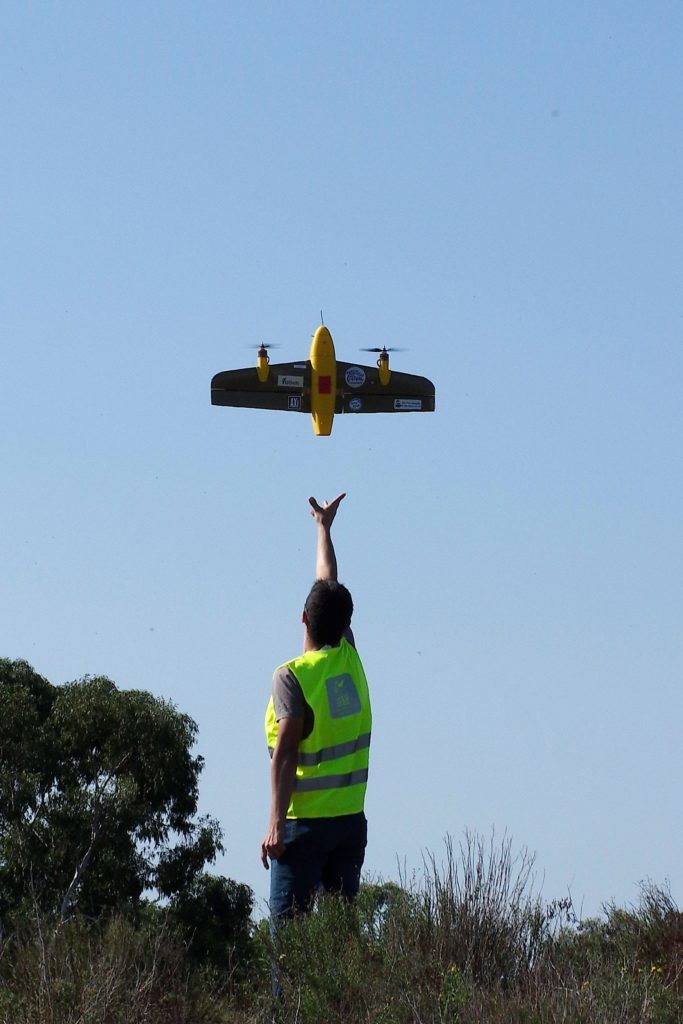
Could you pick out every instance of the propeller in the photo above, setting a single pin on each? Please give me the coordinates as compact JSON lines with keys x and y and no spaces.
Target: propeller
{"x":383,"y":349}
{"x":264,"y":345}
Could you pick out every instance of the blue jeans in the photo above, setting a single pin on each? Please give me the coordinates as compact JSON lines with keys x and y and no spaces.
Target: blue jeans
{"x":325,"y":853}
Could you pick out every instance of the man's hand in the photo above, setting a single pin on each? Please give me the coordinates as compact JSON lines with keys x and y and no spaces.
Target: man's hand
{"x":272,"y":846}
{"x":324,"y":516}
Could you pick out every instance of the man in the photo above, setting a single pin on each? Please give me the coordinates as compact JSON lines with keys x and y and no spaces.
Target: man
{"x":318,"y":726}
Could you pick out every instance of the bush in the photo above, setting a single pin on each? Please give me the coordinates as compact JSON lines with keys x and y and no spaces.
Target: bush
{"x":421,"y":950}
{"x":116,"y":974}
{"x":214,"y":917}
{"x":471,"y":942}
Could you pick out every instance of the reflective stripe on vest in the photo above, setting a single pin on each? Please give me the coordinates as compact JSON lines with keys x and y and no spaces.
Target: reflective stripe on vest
{"x":331,"y":781}
{"x":332,"y":753}
{"x":332,"y":762}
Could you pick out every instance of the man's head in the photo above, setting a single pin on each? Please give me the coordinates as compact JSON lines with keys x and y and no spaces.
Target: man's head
{"x":327,"y":613}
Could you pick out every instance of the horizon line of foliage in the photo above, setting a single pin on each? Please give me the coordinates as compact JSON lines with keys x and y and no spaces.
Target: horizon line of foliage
{"x":99,"y":796}
{"x":457,"y":947}
{"x":107,"y":913}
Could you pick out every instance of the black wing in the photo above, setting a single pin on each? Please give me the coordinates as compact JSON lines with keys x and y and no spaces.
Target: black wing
{"x":359,"y":390}
{"x":288,"y":387}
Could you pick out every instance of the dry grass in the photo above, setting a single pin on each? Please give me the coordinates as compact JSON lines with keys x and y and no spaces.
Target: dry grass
{"x":468,"y":942}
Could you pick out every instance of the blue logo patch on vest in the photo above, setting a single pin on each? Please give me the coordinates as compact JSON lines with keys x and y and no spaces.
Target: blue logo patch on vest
{"x":342,"y":696}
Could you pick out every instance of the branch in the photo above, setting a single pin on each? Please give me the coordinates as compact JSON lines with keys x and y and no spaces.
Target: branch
{"x":70,"y":894}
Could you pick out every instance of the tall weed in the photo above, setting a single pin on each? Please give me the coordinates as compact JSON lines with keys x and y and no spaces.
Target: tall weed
{"x":78,"y":973}
{"x":469,"y":941}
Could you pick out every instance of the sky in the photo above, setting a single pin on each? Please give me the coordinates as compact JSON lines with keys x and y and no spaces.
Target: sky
{"x":494,"y":188}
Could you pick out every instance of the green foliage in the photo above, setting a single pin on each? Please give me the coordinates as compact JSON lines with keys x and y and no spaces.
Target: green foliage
{"x":470,"y":943}
{"x":98,"y":803}
{"x":324,"y":963}
{"x":98,"y":796}
{"x":378,"y":962}
{"x":213,"y":915}
{"x":114,"y":972}
{"x":641,"y":945}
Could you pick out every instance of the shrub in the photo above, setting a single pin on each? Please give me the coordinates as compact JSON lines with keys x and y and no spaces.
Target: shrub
{"x":116,"y":974}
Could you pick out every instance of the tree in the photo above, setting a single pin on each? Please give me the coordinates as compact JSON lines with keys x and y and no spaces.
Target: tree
{"x":98,"y":796}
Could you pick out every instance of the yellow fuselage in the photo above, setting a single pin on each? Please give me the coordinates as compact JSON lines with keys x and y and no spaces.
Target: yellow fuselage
{"x":323,"y":381}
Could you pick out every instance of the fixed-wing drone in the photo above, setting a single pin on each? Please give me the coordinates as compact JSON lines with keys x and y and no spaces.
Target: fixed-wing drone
{"x":323,"y":386}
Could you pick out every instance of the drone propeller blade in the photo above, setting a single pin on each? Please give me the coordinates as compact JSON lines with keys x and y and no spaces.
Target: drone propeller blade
{"x":393,"y":349}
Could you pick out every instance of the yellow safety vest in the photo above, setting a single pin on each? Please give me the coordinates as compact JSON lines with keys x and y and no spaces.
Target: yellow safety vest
{"x":332,"y":769}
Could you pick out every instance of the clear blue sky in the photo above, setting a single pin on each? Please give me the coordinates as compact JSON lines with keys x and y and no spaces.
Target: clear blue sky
{"x":496,"y":188}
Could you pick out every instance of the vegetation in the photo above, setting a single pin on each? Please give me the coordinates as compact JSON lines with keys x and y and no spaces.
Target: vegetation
{"x":471,"y":943}
{"x":99,"y":827}
{"x":110,"y":917}
{"x":98,"y":797}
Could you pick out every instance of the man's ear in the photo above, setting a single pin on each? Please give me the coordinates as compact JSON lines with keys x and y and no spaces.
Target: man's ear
{"x":304,"y":617}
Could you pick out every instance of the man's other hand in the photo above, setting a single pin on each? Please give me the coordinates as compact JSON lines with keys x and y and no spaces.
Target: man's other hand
{"x":272,"y":846}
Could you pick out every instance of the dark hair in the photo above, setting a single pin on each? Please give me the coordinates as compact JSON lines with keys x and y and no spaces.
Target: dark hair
{"x":328,"y":608}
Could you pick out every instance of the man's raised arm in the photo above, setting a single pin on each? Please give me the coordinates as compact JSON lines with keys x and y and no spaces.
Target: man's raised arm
{"x":325,"y":559}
